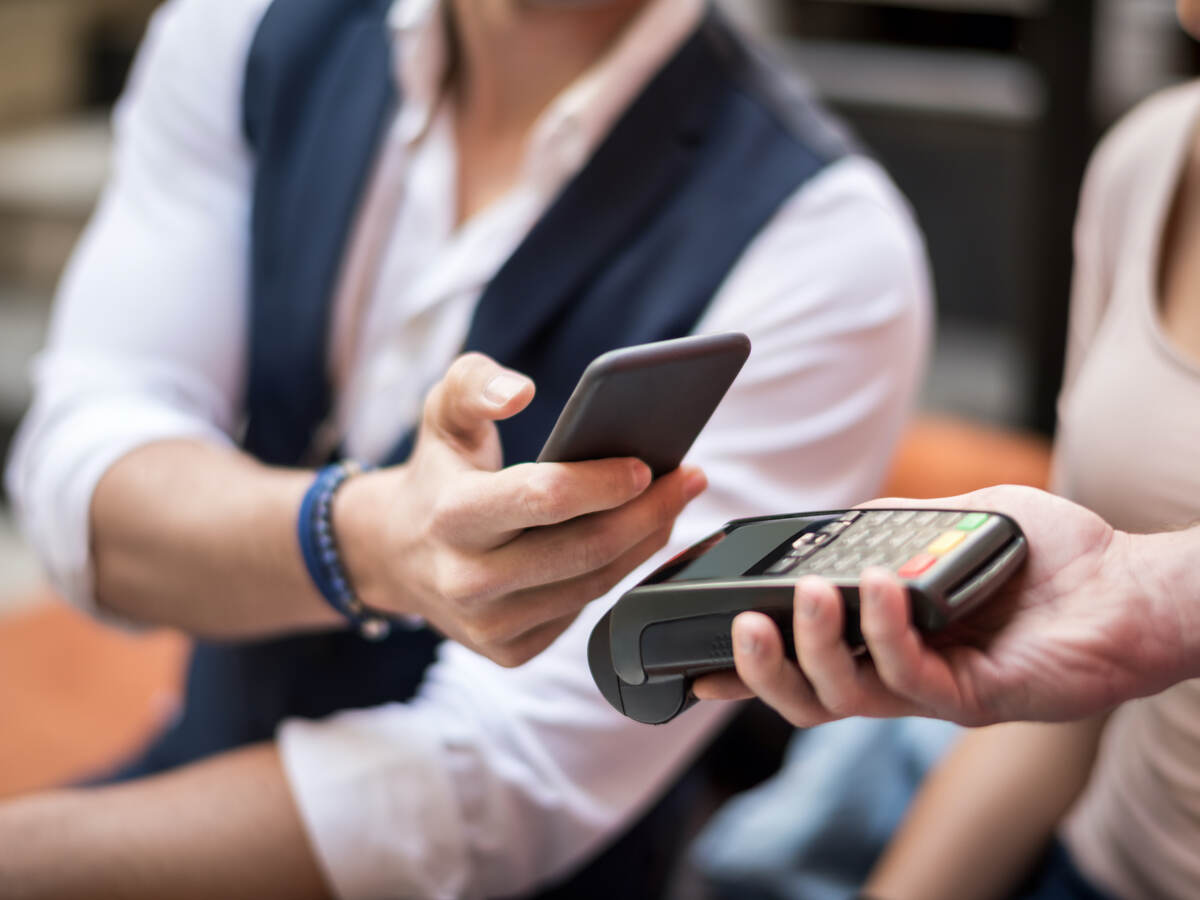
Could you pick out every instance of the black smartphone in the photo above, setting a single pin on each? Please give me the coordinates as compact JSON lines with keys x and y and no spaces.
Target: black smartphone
{"x":674,"y":626}
{"x":649,"y":401}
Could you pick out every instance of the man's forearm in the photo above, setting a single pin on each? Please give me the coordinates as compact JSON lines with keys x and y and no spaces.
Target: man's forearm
{"x":203,"y":538}
{"x":223,"y":828}
{"x":502,"y":560}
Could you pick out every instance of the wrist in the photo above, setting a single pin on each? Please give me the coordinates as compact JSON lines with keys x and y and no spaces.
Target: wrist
{"x":1162,"y":570}
{"x":280,"y":520}
{"x":321,"y":548}
{"x":360,"y":521}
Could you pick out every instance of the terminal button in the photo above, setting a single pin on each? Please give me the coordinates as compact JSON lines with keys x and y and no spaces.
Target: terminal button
{"x":947,"y":542}
{"x":786,"y":564}
{"x":971,"y":521}
{"x":916,"y":565}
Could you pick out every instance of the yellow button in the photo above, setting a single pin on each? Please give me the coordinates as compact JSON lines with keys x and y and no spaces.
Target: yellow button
{"x":947,"y":542}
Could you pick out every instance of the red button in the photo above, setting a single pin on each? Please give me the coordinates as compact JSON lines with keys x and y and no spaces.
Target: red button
{"x":916,"y":565}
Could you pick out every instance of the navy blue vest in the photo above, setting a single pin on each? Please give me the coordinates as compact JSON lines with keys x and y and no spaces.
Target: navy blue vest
{"x":631,"y":251}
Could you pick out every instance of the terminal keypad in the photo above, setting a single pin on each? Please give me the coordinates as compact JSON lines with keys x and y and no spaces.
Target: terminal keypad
{"x":909,"y":542}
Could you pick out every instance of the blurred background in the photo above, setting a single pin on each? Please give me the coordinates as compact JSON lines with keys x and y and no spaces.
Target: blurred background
{"x":984,"y":111}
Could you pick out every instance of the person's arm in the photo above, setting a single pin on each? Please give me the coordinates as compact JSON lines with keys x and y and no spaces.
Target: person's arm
{"x":147,"y":341}
{"x":222,"y":828}
{"x":1095,"y":617}
{"x":125,"y":474}
{"x":443,"y":536}
{"x":986,"y":812}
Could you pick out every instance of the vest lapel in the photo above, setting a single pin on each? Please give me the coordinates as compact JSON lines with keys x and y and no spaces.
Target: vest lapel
{"x":648,"y":153}
{"x":312,"y":171}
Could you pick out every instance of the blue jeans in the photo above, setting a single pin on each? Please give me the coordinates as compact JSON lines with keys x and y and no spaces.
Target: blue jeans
{"x":814,"y":830}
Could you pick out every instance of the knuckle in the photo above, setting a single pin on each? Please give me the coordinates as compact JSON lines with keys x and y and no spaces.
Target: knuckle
{"x":577,"y":594}
{"x":876,"y":641}
{"x":668,"y":505}
{"x":598,"y":585}
{"x":464,"y":586}
{"x":593,"y":551}
{"x":510,"y":657}
{"x":433,"y":402}
{"x":900,"y":680}
{"x":755,"y":678}
{"x":463,"y":369}
{"x":446,"y":397}
{"x":479,"y":638}
{"x":658,"y":540}
{"x":805,"y":717}
{"x":840,"y":705}
{"x":444,"y":517}
{"x":808,"y":646}
{"x":620,"y":482}
{"x":492,"y":628}
{"x":547,"y":495}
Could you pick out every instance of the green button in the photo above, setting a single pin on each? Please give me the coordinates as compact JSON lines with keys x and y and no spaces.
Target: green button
{"x":971,"y":521}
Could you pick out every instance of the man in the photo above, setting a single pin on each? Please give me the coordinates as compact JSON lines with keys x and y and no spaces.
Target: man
{"x":316,"y":205}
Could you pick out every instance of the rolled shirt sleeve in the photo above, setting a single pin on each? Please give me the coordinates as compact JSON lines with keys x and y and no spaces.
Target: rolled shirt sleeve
{"x":494,"y":780}
{"x":147,"y":341}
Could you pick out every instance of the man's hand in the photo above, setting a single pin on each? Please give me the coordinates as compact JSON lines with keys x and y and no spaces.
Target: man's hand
{"x":501,"y":560}
{"x":1079,"y":629}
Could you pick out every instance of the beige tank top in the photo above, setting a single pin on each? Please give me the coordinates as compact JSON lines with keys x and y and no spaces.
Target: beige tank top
{"x":1129,"y":448}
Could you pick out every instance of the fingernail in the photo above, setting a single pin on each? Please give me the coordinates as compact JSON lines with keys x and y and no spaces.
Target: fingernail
{"x":806,"y":597}
{"x":747,"y":643}
{"x":872,"y":592}
{"x":641,"y":475}
{"x":503,"y":388}
{"x":694,"y":484}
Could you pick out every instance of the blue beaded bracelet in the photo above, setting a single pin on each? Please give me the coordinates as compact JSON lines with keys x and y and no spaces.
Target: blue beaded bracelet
{"x":318,"y":546}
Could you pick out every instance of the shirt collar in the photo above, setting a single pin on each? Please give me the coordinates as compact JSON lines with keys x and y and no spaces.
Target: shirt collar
{"x":576,"y":121}
{"x":421,"y":61}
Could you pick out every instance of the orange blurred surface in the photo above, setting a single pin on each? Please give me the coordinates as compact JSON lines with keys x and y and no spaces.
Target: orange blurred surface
{"x":77,"y":697}
{"x":942,"y":456}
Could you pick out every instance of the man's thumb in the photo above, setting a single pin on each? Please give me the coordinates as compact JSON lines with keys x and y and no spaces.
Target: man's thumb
{"x":475,"y":391}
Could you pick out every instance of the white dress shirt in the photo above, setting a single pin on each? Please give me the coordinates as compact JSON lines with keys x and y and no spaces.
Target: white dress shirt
{"x":492,"y":779}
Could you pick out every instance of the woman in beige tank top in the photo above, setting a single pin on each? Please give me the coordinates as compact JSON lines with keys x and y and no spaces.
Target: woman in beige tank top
{"x":1122,"y":791}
